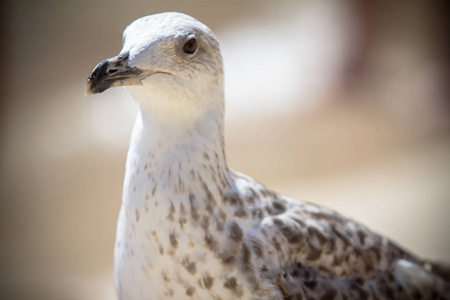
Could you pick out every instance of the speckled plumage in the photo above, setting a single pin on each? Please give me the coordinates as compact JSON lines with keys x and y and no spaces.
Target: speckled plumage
{"x":191,"y":228}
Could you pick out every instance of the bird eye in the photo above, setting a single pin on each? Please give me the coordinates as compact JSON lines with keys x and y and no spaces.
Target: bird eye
{"x":190,"y":46}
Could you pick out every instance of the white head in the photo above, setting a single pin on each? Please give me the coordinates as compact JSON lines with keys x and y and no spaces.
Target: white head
{"x":170,"y":62}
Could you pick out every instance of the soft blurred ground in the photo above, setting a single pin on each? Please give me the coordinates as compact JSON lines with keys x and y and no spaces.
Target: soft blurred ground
{"x":342,"y":103}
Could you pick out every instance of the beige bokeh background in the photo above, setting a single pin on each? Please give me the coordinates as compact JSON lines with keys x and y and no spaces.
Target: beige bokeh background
{"x":343,"y":103}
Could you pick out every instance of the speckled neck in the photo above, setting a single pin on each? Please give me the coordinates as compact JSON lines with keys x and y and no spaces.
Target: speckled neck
{"x":176,"y":157}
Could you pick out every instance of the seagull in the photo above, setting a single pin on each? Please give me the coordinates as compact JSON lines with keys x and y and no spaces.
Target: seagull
{"x":191,"y":228}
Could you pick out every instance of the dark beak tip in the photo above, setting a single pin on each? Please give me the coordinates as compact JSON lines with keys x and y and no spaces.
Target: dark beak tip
{"x":108,"y":73}
{"x":91,"y":81}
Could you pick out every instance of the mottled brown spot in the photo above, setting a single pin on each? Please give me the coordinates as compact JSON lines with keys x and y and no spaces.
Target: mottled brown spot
{"x":194,"y":214}
{"x":165,"y":277}
{"x":181,"y":187}
{"x":169,"y":292}
{"x":235,"y":232}
{"x":338,"y":260}
{"x":204,"y":222}
{"x":137,"y":215}
{"x":220,"y":220}
{"x":211,"y":242}
{"x":231,"y":284}
{"x":206,"y":156}
{"x":246,"y":257}
{"x":313,"y":231}
{"x":257,"y":213}
{"x":190,"y":266}
{"x":208,"y":281}
{"x":349,"y":232}
{"x":173,"y":240}
{"x":324,"y":270}
{"x":362,"y":237}
{"x":257,"y":246}
{"x":279,"y":207}
{"x":269,"y":210}
{"x":264,"y":192}
{"x":376,"y":251}
{"x":252,"y":197}
{"x":190,"y":291}
{"x":170,"y":216}
{"x":276,"y":244}
{"x":227,"y":259}
{"x":219,"y":188}
{"x":254,"y":282}
{"x":278,"y":222}
{"x":240,"y":212}
{"x":182,"y":219}
{"x":210,"y":204}
{"x":341,"y":236}
{"x":298,"y":221}
{"x":330,"y":246}
{"x":233,"y":200}
{"x":292,"y":234}
{"x":323,"y":216}
{"x":295,"y":238}
{"x":313,"y":254}
{"x":161,"y":249}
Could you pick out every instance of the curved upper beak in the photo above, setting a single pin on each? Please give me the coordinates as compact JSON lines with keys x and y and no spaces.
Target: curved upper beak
{"x":113,"y":72}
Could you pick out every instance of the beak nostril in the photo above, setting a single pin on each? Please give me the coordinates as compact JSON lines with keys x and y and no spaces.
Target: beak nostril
{"x":111,"y":71}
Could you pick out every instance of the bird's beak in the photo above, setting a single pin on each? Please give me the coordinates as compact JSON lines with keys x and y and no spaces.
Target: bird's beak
{"x":113,"y":72}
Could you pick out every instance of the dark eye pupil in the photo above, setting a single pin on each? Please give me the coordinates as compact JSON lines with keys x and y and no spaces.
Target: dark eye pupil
{"x":190,"y":46}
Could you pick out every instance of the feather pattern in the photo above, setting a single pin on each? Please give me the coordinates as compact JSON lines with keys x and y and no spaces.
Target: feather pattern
{"x":191,"y":228}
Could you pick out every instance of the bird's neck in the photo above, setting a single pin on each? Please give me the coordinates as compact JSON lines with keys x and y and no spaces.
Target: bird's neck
{"x":176,"y":157}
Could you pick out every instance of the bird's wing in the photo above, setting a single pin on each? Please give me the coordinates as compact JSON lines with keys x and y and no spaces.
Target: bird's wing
{"x":312,"y":252}
{"x":404,"y":280}
{"x":325,"y":254}
{"x":329,"y":242}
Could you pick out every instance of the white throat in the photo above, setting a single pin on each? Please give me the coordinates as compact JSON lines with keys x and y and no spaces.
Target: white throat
{"x":178,"y":149}
{"x":176,"y":171}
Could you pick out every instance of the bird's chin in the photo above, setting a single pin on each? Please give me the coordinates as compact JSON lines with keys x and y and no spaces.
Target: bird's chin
{"x":156,"y":81}
{"x":159,"y":75}
{"x":139,"y":80}
{"x":128,"y":81}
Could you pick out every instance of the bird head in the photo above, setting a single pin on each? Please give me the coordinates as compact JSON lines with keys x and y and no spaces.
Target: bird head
{"x":169,"y":61}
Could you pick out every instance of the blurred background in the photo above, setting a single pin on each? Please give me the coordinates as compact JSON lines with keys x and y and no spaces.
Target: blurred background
{"x":339,"y":102}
